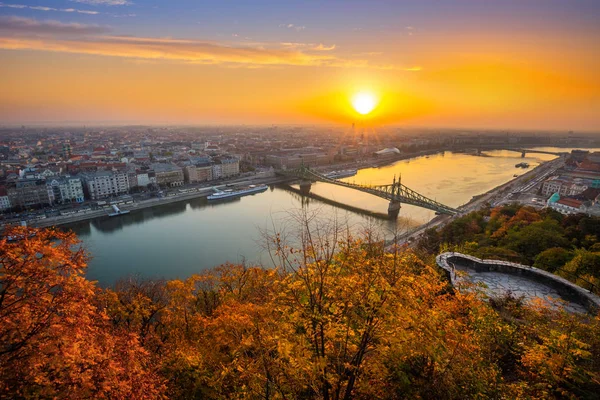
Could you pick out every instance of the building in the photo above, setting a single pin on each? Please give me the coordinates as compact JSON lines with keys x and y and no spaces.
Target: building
{"x":190,"y":174}
{"x":66,"y":151}
{"x":168,"y":174}
{"x":204,"y":173}
{"x":565,"y":186}
{"x":297,"y":160}
{"x":4,"y":200}
{"x":143,"y":179}
{"x":217,"y":170}
{"x":567,"y":206}
{"x":198,"y":173}
{"x":132,"y":178}
{"x":230,"y":166}
{"x":68,"y":189}
{"x":30,"y":193}
{"x":102,"y":184}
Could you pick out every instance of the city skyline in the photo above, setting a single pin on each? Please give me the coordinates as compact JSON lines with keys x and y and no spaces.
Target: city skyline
{"x":464,"y":64}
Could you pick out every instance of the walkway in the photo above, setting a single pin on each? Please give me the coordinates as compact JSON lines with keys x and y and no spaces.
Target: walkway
{"x":498,"y":284}
{"x":496,"y":278}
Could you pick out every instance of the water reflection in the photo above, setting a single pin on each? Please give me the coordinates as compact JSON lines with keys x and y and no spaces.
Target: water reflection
{"x":306,"y":198}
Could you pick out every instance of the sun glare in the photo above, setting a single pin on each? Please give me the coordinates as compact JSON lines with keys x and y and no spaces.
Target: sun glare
{"x":364,"y":103}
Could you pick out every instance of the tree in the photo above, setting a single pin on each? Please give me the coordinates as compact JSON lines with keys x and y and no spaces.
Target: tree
{"x":338,"y":318}
{"x":534,"y":238}
{"x":54,"y":342}
{"x":553,"y":258}
{"x":583,"y":269}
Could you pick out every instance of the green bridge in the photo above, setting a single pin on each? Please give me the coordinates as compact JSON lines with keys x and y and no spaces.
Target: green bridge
{"x":396,"y":193}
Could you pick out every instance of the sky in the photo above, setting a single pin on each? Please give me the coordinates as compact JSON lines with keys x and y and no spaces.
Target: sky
{"x":522,"y":64}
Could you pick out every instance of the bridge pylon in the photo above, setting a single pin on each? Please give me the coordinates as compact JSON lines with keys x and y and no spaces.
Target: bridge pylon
{"x":395,"y":205}
{"x":394,"y":209}
{"x":305,"y":187}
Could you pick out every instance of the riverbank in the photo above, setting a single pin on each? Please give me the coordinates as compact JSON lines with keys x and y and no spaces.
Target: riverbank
{"x":140,"y":205}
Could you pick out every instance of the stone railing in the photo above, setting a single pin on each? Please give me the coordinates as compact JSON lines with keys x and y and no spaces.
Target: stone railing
{"x":568,"y":290}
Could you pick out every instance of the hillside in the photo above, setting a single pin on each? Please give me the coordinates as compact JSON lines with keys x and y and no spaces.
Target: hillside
{"x":565,"y":245}
{"x":340,"y":319}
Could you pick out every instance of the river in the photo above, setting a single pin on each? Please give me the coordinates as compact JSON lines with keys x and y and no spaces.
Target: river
{"x":180,"y":239}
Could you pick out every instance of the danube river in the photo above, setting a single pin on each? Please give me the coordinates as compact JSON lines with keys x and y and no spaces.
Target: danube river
{"x":180,"y":239}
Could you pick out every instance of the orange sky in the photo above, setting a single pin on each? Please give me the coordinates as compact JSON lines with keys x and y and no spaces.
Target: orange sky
{"x":497,"y":78}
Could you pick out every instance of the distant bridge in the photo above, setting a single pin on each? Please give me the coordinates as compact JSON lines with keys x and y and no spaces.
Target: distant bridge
{"x":523,"y":151}
{"x":395,"y":192}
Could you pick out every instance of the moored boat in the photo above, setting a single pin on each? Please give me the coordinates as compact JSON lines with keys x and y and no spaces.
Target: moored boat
{"x":117,"y":211}
{"x":341,"y":174}
{"x":224,"y":194}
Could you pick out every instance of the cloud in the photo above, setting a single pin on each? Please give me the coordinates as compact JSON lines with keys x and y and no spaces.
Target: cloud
{"x":18,"y":33}
{"x":28,"y":26}
{"x":306,"y":46}
{"x":413,"y":69}
{"x":43,"y":8}
{"x":371,"y":53}
{"x":322,"y":47}
{"x":104,"y":2}
{"x":297,"y":28}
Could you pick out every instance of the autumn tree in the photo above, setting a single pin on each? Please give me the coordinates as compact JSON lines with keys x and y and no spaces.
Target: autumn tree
{"x":53,"y":340}
{"x":341,"y":315}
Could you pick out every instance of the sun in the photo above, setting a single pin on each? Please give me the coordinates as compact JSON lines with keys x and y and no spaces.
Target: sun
{"x":364,"y":102}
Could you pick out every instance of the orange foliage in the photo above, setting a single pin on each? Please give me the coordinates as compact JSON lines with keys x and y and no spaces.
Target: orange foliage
{"x":523,"y":217}
{"x":339,"y":319}
{"x":54,"y":340}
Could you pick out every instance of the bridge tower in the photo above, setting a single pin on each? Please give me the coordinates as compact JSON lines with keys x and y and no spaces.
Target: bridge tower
{"x":305,"y":186}
{"x":394,"y":206}
{"x":305,"y":183}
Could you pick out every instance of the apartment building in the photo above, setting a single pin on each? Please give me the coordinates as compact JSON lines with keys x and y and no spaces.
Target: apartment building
{"x":4,"y":200}
{"x":102,"y":184}
{"x":67,"y":189}
{"x":230,"y":166}
{"x":168,"y":174}
{"x":565,"y":186}
{"x":30,"y":193}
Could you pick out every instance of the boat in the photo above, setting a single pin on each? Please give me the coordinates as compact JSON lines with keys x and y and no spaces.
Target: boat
{"x":225,"y":194}
{"x":515,"y":176}
{"x":341,"y":174}
{"x":118,"y":211}
{"x":522,"y":165}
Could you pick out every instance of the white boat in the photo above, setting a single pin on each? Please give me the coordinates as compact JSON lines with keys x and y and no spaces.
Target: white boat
{"x":224,"y":194}
{"x":341,"y":174}
{"x":118,"y":211}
